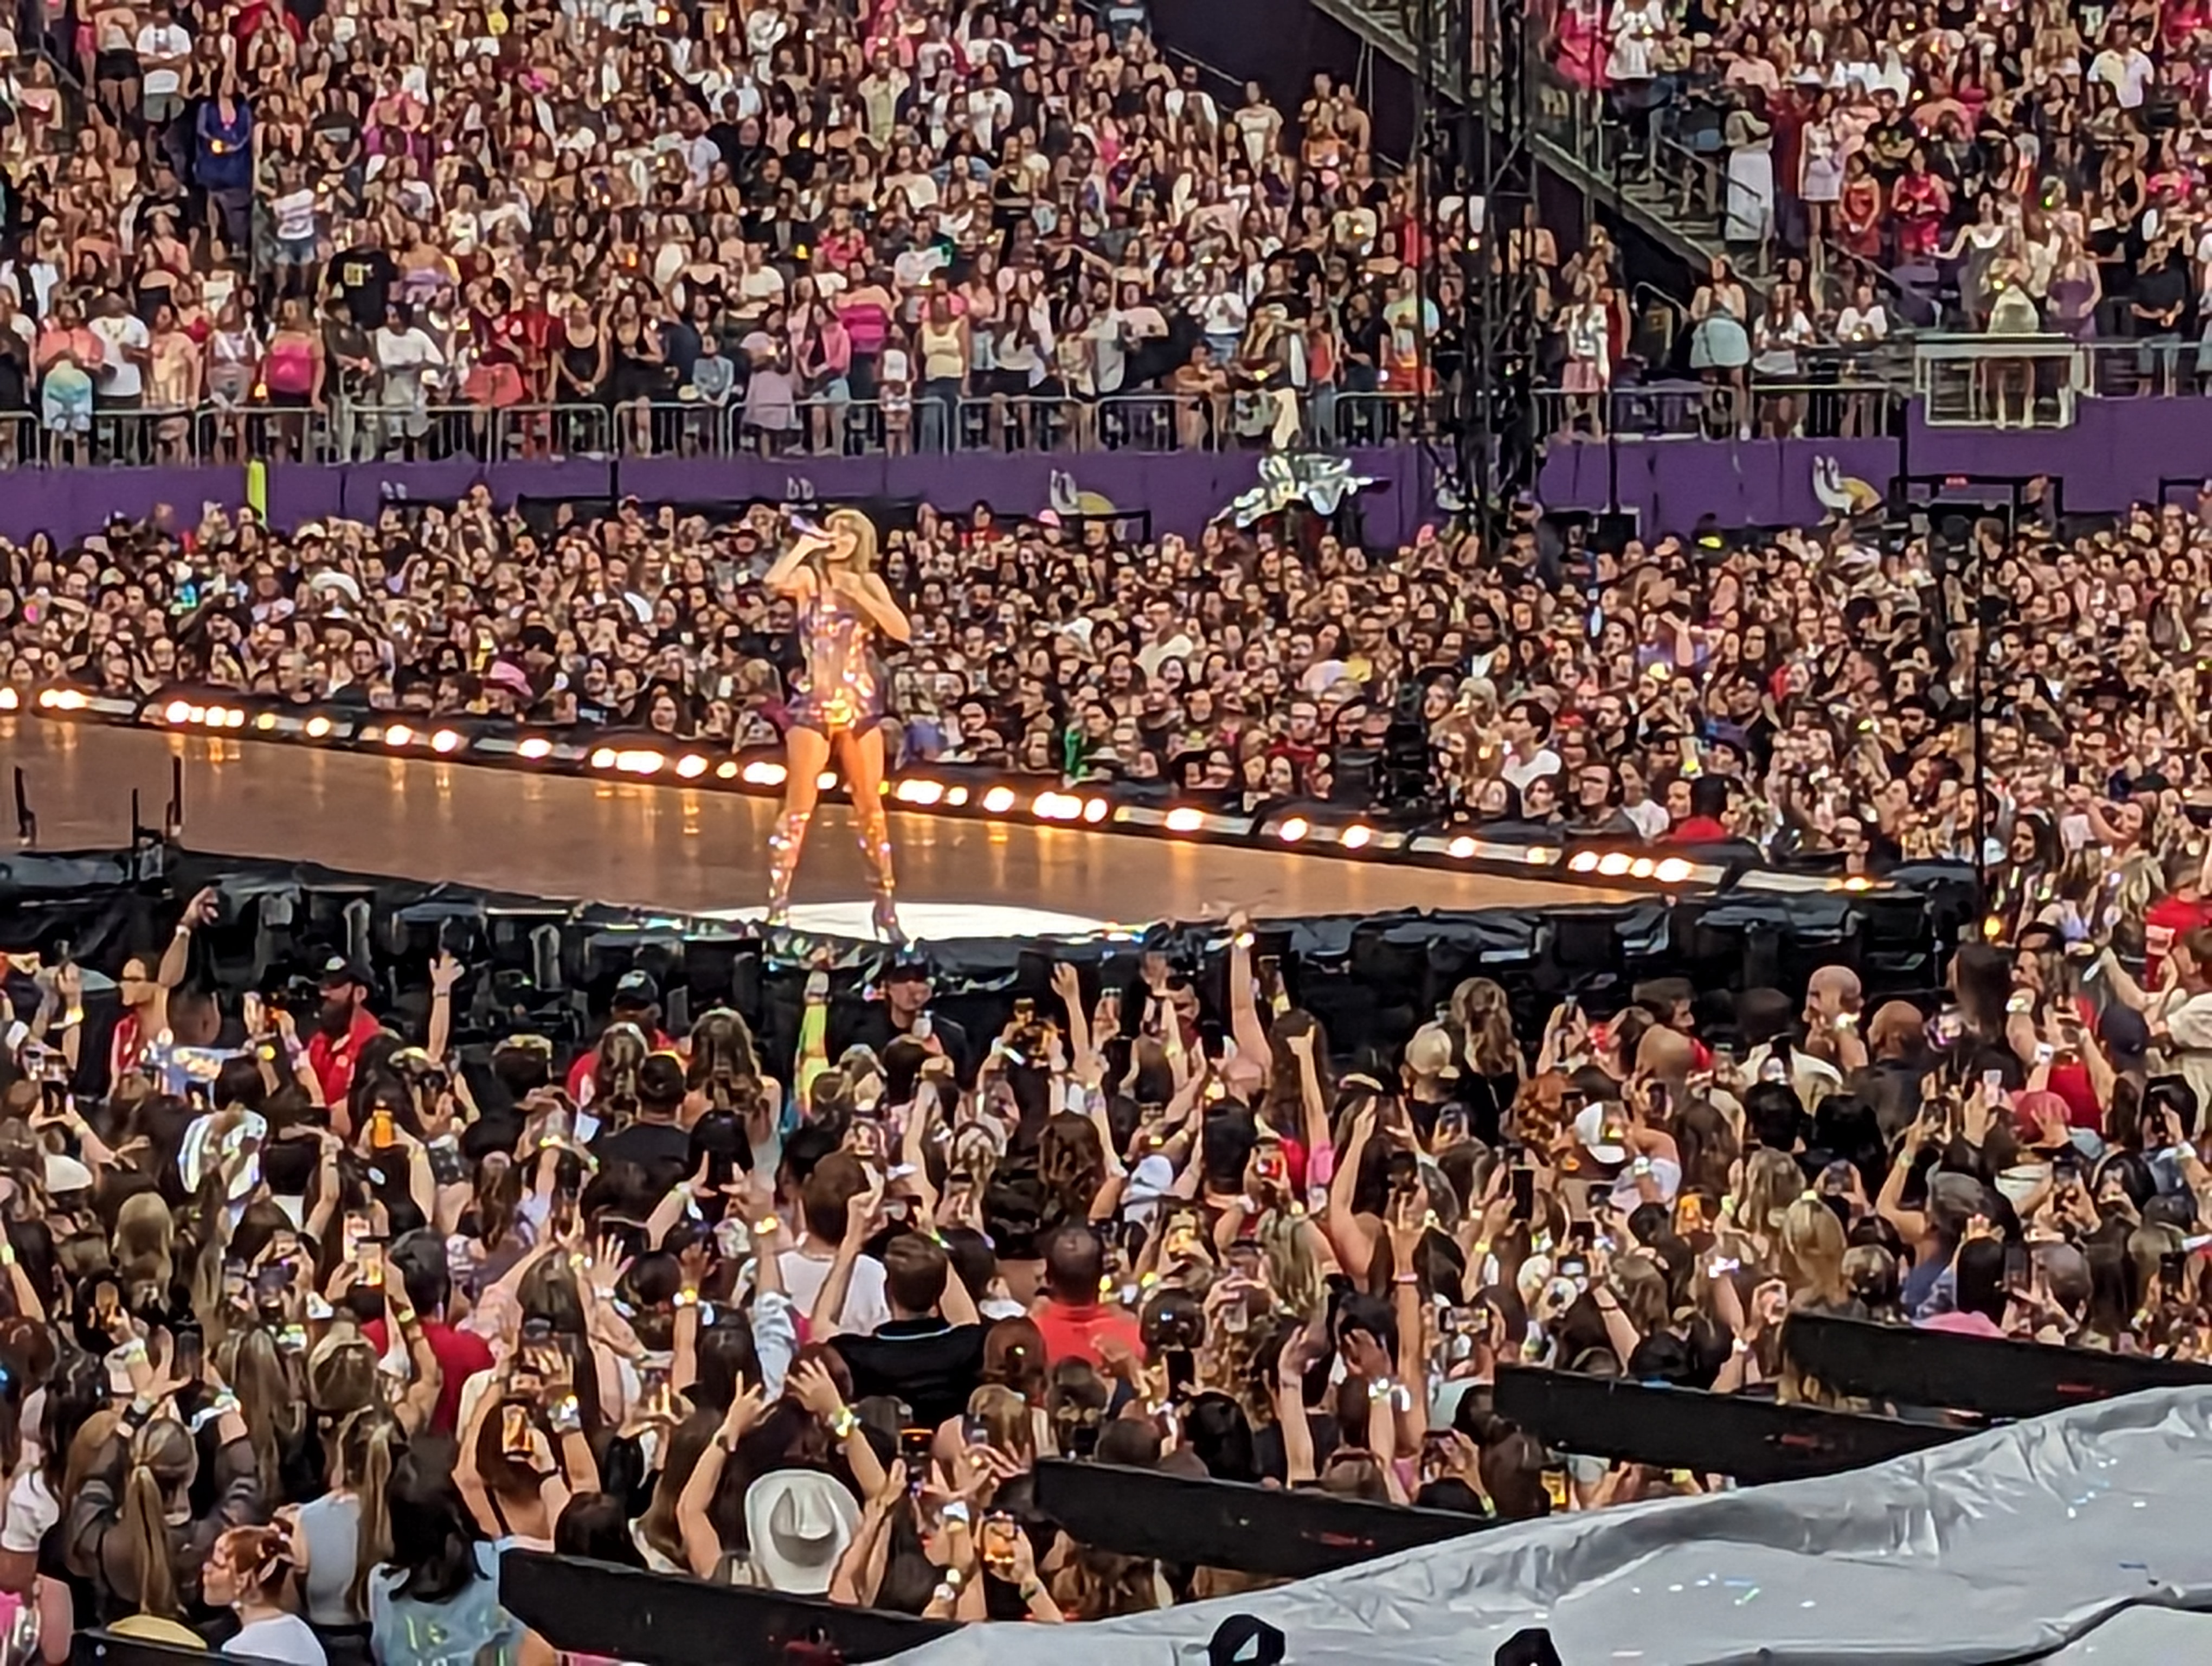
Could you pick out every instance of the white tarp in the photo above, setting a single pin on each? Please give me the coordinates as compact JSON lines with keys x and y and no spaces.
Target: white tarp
{"x":2003,"y":1548}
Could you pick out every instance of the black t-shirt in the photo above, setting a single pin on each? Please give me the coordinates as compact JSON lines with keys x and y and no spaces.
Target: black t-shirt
{"x":870,"y":1026}
{"x":661,"y":1149}
{"x":2158,"y":288}
{"x":365,"y":278}
{"x":930,"y":1364}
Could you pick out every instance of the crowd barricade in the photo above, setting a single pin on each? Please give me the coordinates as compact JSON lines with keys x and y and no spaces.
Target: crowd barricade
{"x":1991,"y":1376}
{"x":1680,"y":408}
{"x":352,"y":431}
{"x":1754,"y":1441}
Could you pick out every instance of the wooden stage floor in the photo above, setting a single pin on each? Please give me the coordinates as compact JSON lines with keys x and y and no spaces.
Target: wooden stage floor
{"x":671,"y":848}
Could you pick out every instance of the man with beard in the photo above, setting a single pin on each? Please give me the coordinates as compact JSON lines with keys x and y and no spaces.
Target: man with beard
{"x":343,"y":1027}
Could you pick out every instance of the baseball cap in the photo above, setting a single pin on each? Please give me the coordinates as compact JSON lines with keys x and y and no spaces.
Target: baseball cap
{"x":1589,"y":1130}
{"x":337,"y":970}
{"x":909,"y":964}
{"x":637,"y":988}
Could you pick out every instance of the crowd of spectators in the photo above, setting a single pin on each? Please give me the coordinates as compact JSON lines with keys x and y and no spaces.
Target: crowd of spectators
{"x":909,"y":224}
{"x":1810,"y":691}
{"x":2015,"y":170}
{"x":312,"y":1316}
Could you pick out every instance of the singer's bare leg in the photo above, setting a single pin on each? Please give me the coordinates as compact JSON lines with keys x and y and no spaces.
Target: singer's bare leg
{"x":805,"y":753}
{"x":862,"y":754}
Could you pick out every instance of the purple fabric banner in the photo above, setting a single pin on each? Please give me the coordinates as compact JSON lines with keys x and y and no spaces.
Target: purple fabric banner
{"x":2116,"y":453}
{"x":1183,"y":490}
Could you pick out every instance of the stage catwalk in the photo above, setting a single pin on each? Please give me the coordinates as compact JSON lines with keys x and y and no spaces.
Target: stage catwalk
{"x":680,"y":849}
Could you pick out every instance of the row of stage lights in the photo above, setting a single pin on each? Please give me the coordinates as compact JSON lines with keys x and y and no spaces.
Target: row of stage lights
{"x":639,"y":760}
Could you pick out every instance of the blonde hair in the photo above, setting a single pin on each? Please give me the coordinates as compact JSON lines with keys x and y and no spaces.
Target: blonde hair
{"x":1292,"y":1273}
{"x":362,"y":1457}
{"x":863,"y":532}
{"x":144,"y":1245}
{"x":1771,"y":1181}
{"x":268,"y":1403}
{"x":1479,"y":1008}
{"x":1811,"y":1255}
{"x":162,"y":1461}
{"x":1005,"y":1417}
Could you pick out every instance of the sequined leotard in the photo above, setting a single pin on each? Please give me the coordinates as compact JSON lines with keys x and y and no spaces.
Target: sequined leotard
{"x":843,"y":689}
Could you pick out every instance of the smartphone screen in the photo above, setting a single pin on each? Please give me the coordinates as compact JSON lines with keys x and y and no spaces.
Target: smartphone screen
{"x":1524,"y":1193}
{"x":1182,"y":1371}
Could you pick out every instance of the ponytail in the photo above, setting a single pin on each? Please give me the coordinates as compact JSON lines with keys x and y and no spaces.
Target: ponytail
{"x":371,"y":1488}
{"x":146,"y":1541}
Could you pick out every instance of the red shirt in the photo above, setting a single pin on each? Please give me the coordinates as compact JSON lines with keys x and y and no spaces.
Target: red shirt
{"x":1699,"y":829}
{"x":1074,"y":1332}
{"x":2163,"y":921}
{"x":580,"y":1073}
{"x":332,"y":1062}
{"x":125,"y":1048}
{"x":461,"y":1355}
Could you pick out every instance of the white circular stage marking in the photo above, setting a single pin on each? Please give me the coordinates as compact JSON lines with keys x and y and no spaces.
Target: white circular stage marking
{"x":931,"y":922}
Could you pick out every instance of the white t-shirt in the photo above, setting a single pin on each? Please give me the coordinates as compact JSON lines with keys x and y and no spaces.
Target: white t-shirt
{"x":1521,"y":771}
{"x":699,"y":155}
{"x":295,"y":213}
{"x":155,"y":41}
{"x":286,"y":1637}
{"x":1853,"y":325}
{"x":32,"y":1511}
{"x":120,"y":376}
{"x":1110,"y":363}
{"x":866,"y":1306}
{"x":2129,"y":73}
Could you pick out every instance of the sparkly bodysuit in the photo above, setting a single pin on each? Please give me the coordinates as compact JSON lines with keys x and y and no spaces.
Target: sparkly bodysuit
{"x":843,"y":690}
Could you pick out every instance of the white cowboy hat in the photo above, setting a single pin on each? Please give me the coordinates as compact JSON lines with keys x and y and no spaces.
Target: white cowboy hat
{"x":800,"y":1522}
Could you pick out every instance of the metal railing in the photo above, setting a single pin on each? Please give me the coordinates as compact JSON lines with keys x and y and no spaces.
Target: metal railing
{"x":1677,"y":172}
{"x":1872,"y":409}
{"x":347,"y":432}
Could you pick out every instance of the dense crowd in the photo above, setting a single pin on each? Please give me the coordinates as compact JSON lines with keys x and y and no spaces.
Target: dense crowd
{"x":2015,"y":169}
{"x":1811,"y":692}
{"x":312,"y":1316}
{"x":908,"y":224}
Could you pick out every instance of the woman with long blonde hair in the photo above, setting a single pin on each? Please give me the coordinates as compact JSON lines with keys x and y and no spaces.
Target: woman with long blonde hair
{"x":1812,"y":1256}
{"x":829,"y":573}
{"x":339,"y":1539}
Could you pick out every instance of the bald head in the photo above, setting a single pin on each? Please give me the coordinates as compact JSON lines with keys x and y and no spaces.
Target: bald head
{"x":1834,"y":990}
{"x":1666,"y":1055}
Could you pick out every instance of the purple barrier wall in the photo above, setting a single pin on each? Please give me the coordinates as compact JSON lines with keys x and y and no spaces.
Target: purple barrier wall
{"x":1182,"y":491}
{"x":2115,"y":454}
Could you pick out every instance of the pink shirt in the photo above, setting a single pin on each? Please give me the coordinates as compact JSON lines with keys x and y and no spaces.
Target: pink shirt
{"x":1962,"y":1324}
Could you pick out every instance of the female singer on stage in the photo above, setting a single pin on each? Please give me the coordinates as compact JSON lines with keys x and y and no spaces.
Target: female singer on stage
{"x":829,"y":572}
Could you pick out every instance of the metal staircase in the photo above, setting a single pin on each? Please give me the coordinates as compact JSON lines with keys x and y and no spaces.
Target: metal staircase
{"x":1671,"y":196}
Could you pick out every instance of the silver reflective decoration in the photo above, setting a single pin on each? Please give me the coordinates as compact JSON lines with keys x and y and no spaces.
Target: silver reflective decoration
{"x":2012,"y":1546}
{"x":1321,"y":482}
{"x":20,"y":1645}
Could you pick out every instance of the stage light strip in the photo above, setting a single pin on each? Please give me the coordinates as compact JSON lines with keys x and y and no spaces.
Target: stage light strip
{"x":1184,"y":818}
{"x":1804,"y":884}
{"x":921,"y":790}
{"x":1298,"y":828}
{"x":1465,"y":847}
